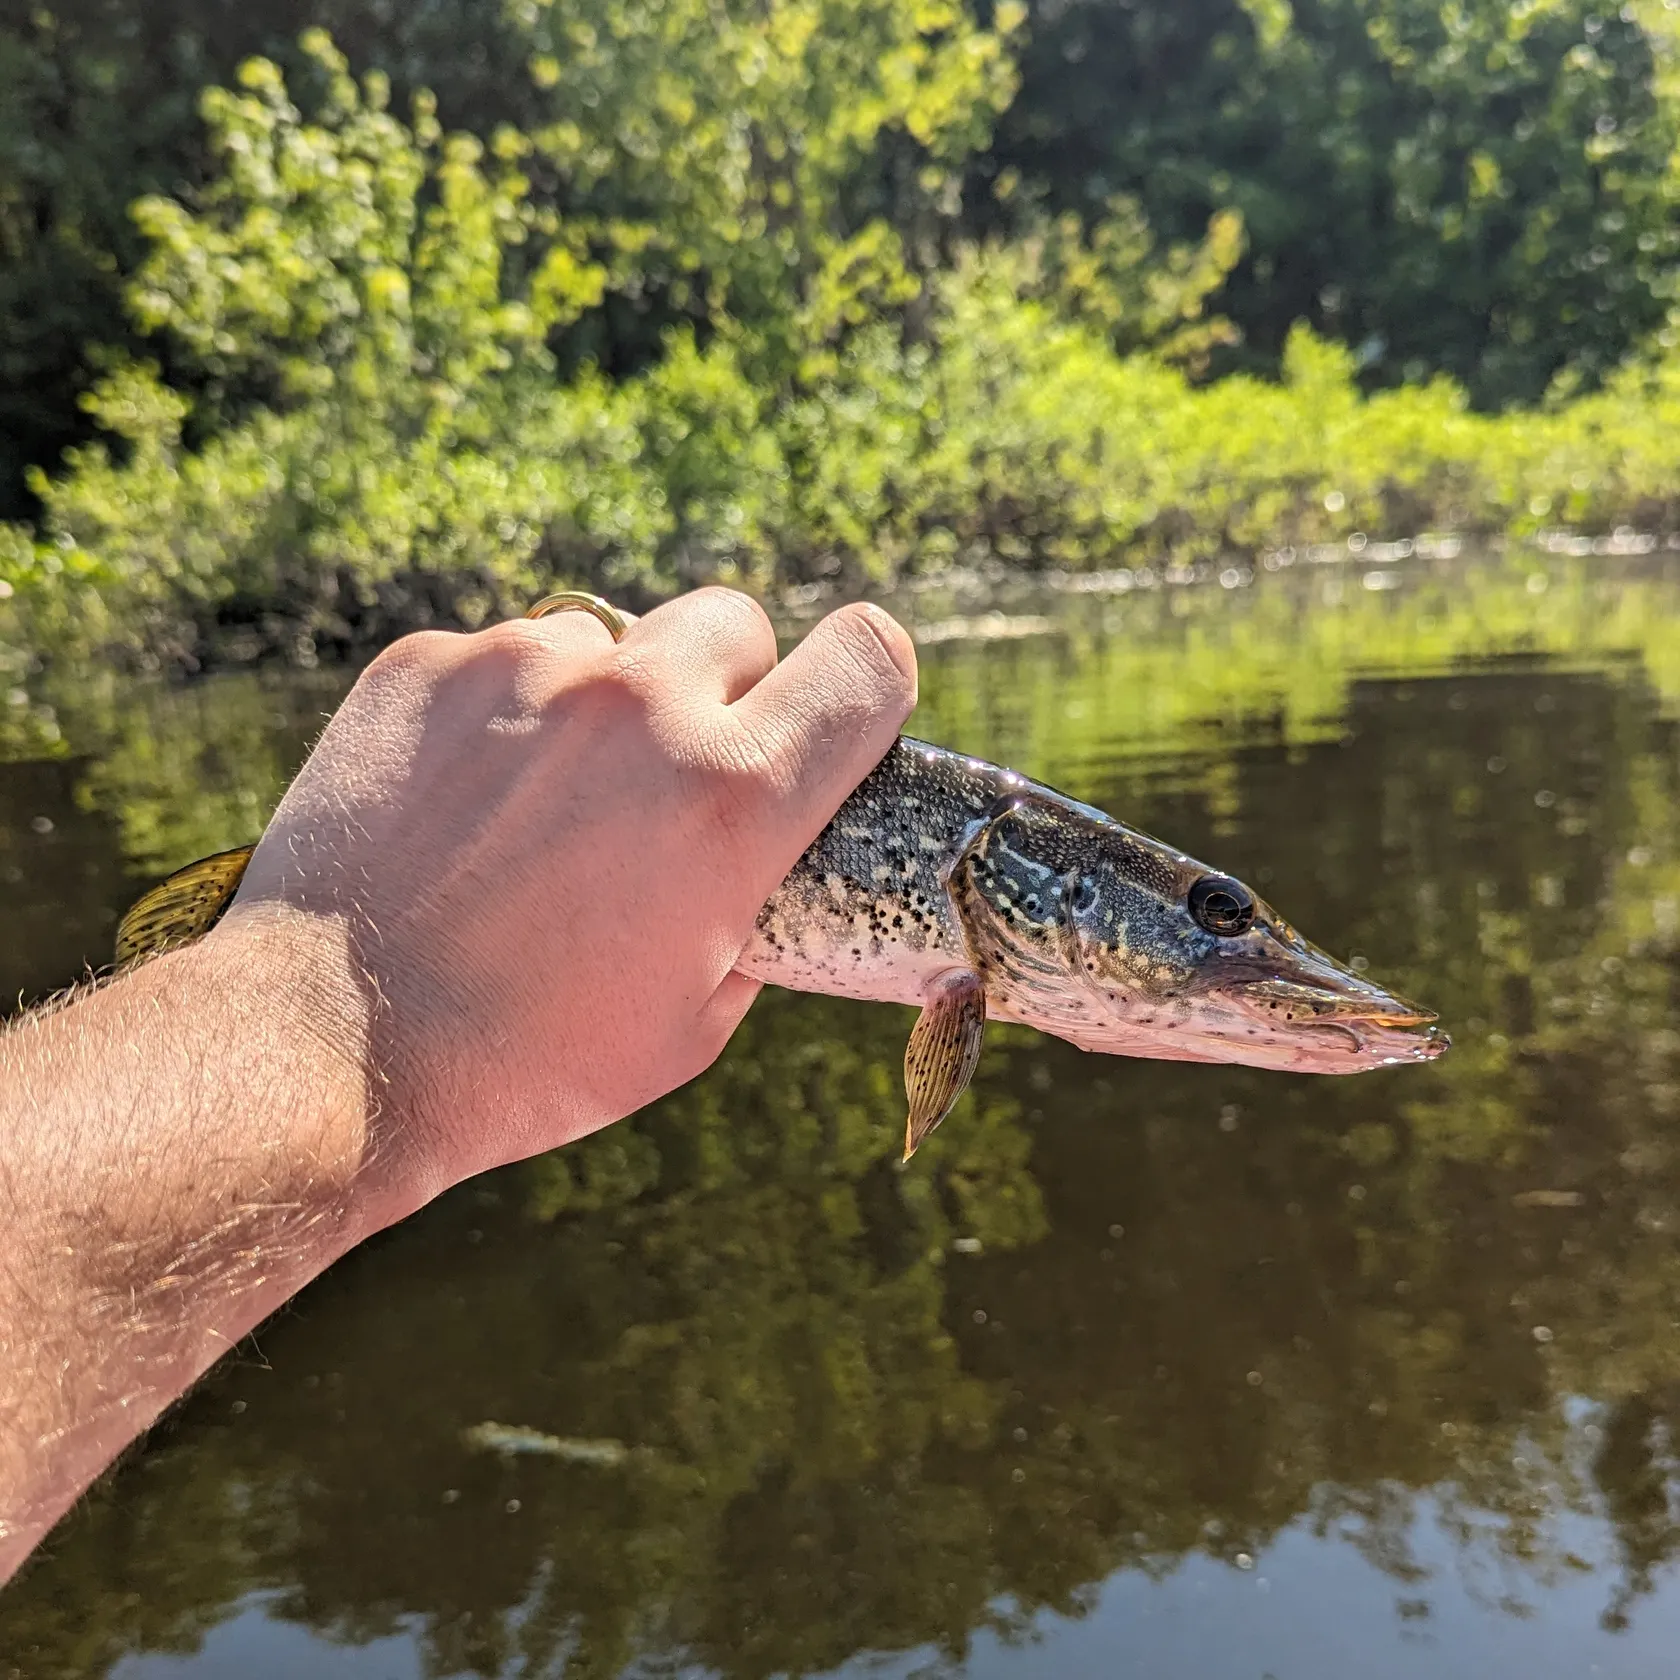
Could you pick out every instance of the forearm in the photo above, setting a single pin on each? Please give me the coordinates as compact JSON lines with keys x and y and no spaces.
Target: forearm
{"x":185,"y":1148}
{"x":551,"y":851}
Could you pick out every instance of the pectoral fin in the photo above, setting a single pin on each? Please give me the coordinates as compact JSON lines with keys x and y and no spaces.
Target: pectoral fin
{"x":180,"y":909}
{"x":943,"y":1049}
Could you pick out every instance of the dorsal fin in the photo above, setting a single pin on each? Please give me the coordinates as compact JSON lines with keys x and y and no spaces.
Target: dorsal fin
{"x":182,"y":908}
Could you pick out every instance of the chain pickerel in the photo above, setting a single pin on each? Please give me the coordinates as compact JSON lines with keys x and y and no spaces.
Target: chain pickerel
{"x":953,"y":884}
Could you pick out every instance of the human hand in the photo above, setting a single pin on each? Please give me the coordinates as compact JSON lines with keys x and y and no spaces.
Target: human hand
{"x":537,"y":856}
{"x":499,"y":907}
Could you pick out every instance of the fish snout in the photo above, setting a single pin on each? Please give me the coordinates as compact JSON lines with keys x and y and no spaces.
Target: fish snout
{"x":1407,"y":1015}
{"x":1323,"y":995}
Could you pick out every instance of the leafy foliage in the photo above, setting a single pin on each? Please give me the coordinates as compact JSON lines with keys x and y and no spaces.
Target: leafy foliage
{"x":717,"y":163}
{"x":1474,"y":187}
{"x":649,"y":295}
{"x":370,"y":318}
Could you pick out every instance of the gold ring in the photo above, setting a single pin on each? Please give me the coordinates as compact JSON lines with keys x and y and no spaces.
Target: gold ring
{"x":580,"y":600}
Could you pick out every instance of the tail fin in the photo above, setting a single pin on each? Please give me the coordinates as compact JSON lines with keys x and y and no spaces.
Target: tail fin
{"x":182,"y":908}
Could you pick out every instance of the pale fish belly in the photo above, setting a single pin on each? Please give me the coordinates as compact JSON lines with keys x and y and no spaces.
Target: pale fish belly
{"x":816,"y":936}
{"x":896,"y":976}
{"x":865,"y":912}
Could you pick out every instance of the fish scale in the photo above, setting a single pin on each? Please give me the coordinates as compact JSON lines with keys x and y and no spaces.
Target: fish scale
{"x":866,"y":912}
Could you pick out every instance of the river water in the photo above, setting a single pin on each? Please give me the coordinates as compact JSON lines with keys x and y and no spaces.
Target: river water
{"x":1138,"y":1369}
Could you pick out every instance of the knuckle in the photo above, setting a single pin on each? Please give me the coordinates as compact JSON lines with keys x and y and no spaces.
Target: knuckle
{"x":875,"y":646}
{"x":522,"y":640}
{"x":737,"y":608}
{"x":618,"y":692}
{"x":637,"y":680}
{"x":716,"y":624}
{"x":573,"y":641}
{"x":424,"y":654}
{"x":742,"y":764}
{"x":528,"y":656}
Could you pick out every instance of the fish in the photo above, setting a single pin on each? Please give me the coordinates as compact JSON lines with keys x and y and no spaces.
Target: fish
{"x":513,"y":1440}
{"x":976,"y":894}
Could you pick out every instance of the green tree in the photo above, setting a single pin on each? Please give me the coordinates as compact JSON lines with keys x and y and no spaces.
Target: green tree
{"x":724,"y":163}
{"x":1459,"y":186}
{"x":99,"y":106}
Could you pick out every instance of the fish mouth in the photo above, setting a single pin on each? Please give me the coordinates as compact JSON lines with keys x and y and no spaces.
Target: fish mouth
{"x":1314,"y":1000}
{"x":1333,"y":999}
{"x":1284,"y":1006}
{"x":1402,"y":1020}
{"x":1411,"y":1037}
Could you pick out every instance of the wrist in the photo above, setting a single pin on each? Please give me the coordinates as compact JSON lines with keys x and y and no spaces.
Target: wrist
{"x":297,"y":1005}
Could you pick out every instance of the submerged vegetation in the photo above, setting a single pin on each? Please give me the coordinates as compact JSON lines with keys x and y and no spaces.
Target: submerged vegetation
{"x":846,"y":290}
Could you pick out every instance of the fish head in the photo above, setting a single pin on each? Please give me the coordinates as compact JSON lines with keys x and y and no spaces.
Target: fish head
{"x":1121,"y":943}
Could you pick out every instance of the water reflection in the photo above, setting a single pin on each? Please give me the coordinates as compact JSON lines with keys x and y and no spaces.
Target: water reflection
{"x":1121,"y":1324}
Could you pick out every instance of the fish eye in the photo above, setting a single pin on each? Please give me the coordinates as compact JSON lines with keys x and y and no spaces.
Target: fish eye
{"x":1222,"y":906}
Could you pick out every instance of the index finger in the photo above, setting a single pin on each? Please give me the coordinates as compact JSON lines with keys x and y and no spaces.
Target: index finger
{"x":713,"y":644}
